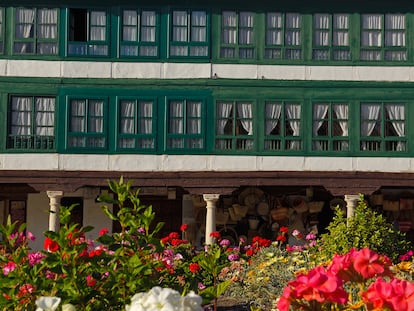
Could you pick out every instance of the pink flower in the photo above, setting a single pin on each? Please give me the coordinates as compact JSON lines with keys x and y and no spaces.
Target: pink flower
{"x":35,"y":258}
{"x":224,"y":242}
{"x":233,"y":257}
{"x":9,"y":267}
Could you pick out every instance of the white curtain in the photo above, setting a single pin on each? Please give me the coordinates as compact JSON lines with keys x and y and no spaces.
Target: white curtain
{"x":293,"y":114}
{"x":194,"y":117}
{"x":246,"y":23}
{"x":24,"y":28}
{"x":341,"y":112}
{"x":224,"y":111}
{"x":340,"y":35}
{"x":370,"y":116}
{"x":176,"y":117}
{"x":321,"y":24}
{"x":342,"y":116}
{"x":293,"y":24}
{"x":229,"y":24}
{"x":21,"y":116}
{"x":273,"y":112}
{"x":47,"y":20}
{"x":96,"y":116}
{"x":45,"y":116}
{"x":396,"y":113}
{"x":148,"y":24}
{"x":371,"y":36}
{"x":198,"y":26}
{"x":98,"y":26}
{"x":244,"y":111}
{"x":274,"y":29}
{"x":395,"y":30}
{"x":78,"y":113}
{"x":127,"y":117}
{"x":319,"y":112}
{"x":146,"y":116}
{"x":180,"y":20}
{"x":130,"y":25}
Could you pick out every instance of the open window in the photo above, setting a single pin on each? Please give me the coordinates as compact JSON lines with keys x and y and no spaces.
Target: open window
{"x":88,"y":32}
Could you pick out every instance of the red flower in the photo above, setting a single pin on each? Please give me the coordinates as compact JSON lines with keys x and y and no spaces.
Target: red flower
{"x":50,"y":245}
{"x":370,"y":264}
{"x":284,"y":229}
{"x":103,"y":231}
{"x":194,"y":267}
{"x":90,"y":281}
{"x":281,"y":238}
{"x":215,"y":234}
{"x":183,"y":227}
{"x":250,"y":252}
{"x":173,"y":235}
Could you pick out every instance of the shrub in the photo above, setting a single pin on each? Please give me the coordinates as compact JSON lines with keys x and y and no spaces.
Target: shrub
{"x":366,"y":229}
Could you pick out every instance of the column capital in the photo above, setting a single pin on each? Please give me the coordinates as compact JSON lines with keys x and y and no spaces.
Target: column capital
{"x":54,"y":193}
{"x":211,"y":197}
{"x":351,"y":199}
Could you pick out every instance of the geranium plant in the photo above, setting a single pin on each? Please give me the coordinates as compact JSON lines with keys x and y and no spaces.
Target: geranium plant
{"x":358,"y":280}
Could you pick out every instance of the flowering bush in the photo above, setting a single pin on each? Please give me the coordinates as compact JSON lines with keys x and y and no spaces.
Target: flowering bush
{"x":107,"y":272}
{"x":361,"y":279}
{"x":261,"y":278}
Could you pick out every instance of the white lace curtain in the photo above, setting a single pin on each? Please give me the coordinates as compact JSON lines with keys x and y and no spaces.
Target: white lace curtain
{"x":47,"y":20}
{"x":340,"y":35}
{"x":223,"y":114}
{"x":229,"y":28}
{"x":22,"y":115}
{"x":128,"y":117}
{"x":370,"y":116}
{"x":293,"y":25}
{"x":273,"y":112}
{"x":181,"y":22}
{"x":98,"y":26}
{"x":371,"y":36}
{"x":131,"y":26}
{"x":293,"y":114}
{"x":79,"y":123}
{"x":244,"y":111}
{"x":177,"y":118}
{"x":396,"y":114}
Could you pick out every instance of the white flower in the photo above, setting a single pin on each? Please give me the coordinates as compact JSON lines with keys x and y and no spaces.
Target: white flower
{"x":164,"y":299}
{"x":46,"y":303}
{"x":192,"y":302}
{"x":68,"y":307}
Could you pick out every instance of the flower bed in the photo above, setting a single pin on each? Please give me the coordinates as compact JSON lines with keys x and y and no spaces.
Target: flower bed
{"x":135,"y":270}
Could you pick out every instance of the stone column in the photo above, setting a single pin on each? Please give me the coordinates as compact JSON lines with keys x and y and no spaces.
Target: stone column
{"x":211,"y":200}
{"x":351,"y":202}
{"x":54,"y":202}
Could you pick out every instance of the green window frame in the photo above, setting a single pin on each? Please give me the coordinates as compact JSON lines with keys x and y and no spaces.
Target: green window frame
{"x":235,"y":125}
{"x":2,"y":22}
{"x":87,"y":118}
{"x":330,"y":126}
{"x":384,"y":37}
{"x":283,"y":125}
{"x":89,"y":31}
{"x":139,"y":33}
{"x":284,"y":36}
{"x":331,"y":37}
{"x":190,"y":33}
{"x":383,"y":127}
{"x":185,"y":124}
{"x":137,"y":124}
{"x":237,"y":39}
{"x":31,"y":122}
{"x":36,"y":31}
